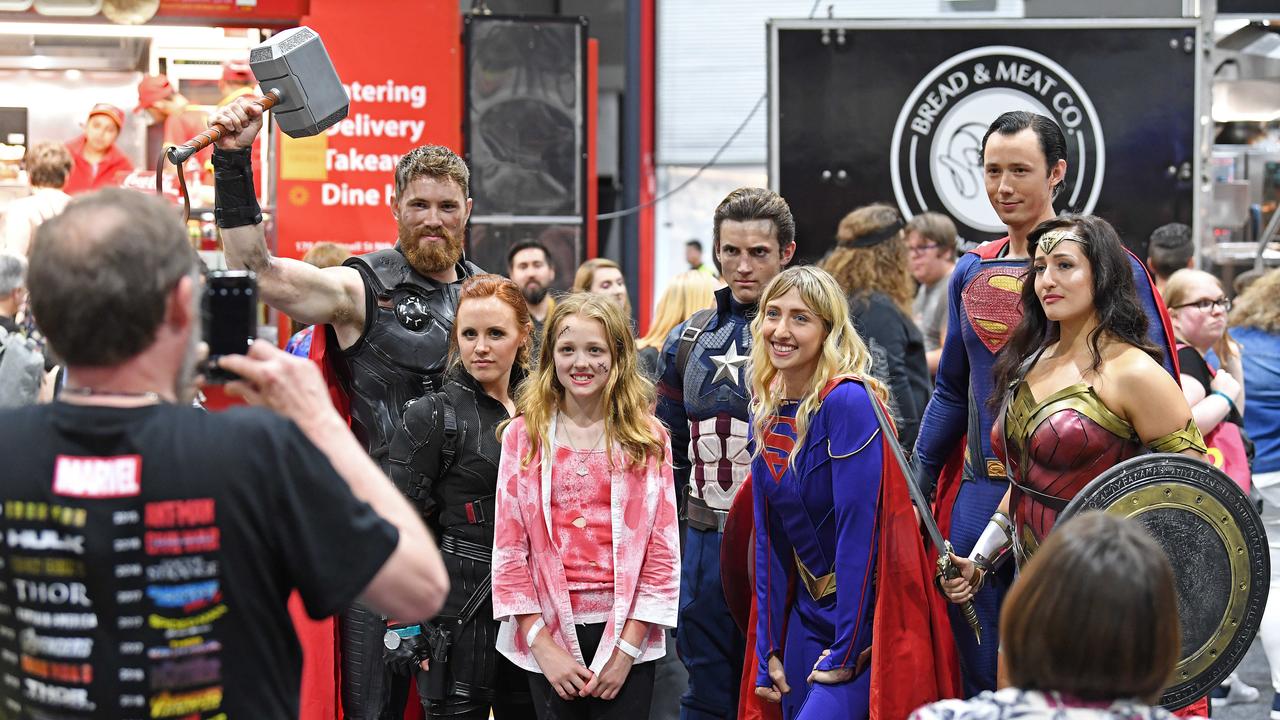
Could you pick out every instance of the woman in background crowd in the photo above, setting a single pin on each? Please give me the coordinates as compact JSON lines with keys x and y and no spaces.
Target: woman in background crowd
{"x":322,"y":255}
{"x":1064,"y":660}
{"x":1199,"y":306}
{"x":450,"y":470}
{"x":585,"y":559}
{"x":603,"y":276}
{"x":1255,"y":325}
{"x":688,"y":292}
{"x":870,"y":263}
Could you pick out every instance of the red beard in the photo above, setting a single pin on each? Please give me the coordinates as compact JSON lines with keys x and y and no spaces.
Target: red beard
{"x":433,"y":257}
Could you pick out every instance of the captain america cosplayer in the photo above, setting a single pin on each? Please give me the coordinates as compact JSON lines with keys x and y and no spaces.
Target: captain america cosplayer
{"x":703,"y":396}
{"x":1024,"y":165}
{"x":387,"y":318}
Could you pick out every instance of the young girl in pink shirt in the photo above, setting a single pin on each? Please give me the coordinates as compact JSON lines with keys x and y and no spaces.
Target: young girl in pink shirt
{"x":585,"y":557}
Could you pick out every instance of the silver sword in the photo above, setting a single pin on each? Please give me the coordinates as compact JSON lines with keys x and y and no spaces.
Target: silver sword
{"x":947,"y":570}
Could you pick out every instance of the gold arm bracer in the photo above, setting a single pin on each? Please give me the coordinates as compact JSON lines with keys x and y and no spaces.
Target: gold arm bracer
{"x":1188,"y":438}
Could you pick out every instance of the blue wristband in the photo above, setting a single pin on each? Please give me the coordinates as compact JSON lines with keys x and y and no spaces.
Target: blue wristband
{"x":1231,"y":404}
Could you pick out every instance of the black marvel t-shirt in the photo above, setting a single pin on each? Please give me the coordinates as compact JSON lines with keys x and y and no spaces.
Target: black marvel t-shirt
{"x":148,"y":554}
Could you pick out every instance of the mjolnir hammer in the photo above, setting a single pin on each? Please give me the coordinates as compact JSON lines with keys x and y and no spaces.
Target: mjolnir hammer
{"x":300,"y":83}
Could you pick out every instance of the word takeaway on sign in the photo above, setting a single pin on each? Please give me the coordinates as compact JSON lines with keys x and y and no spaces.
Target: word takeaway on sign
{"x":98,"y":477}
{"x":354,"y":161}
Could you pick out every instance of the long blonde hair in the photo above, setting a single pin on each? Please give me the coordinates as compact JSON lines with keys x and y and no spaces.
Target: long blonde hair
{"x":1177,"y":290}
{"x":688,"y":293}
{"x":843,"y":352}
{"x":585,"y":277}
{"x":628,"y":395}
{"x":1257,"y":306}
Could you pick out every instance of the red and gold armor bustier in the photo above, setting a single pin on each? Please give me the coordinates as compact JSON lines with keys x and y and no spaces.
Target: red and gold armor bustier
{"x":1053,"y":448}
{"x":1056,"y":446}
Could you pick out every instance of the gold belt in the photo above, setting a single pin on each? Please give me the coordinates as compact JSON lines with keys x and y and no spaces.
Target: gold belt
{"x":819,"y":587}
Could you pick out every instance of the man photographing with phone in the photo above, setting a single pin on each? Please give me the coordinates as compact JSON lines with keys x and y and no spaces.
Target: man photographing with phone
{"x":150,"y":547}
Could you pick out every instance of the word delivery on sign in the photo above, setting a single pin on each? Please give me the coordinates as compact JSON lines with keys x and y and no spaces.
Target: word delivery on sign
{"x":335,"y":187}
{"x":936,"y":151}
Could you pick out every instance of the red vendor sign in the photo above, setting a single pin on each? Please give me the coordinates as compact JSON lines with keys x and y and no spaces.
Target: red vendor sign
{"x":248,"y":13}
{"x":402,"y":68}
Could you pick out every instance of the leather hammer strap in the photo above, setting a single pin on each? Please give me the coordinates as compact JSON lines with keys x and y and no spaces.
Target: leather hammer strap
{"x":235,"y":202}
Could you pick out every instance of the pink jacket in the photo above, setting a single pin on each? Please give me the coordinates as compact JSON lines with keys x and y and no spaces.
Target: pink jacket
{"x":528,"y":576}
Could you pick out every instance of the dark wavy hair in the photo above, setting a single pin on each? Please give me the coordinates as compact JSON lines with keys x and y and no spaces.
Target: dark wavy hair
{"x":1115,"y":300}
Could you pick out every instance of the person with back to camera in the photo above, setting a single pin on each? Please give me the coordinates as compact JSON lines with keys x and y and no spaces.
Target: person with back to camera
{"x":48,"y":164}
{"x":870,"y":263}
{"x":445,"y":458}
{"x":1255,"y":325}
{"x":150,"y":546}
{"x":1169,"y":250}
{"x":1064,"y":660}
{"x":687,"y":293}
{"x":586,"y":574}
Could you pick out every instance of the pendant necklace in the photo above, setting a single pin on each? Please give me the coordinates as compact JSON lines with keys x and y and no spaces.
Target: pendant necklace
{"x":150,"y":397}
{"x":578,"y":456}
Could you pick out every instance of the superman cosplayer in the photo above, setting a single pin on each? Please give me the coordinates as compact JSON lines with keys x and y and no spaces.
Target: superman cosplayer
{"x":1024,"y":165}
{"x":954,"y":448}
{"x":842,"y":577}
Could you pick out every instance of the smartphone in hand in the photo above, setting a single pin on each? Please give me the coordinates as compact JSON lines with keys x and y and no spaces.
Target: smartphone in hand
{"x":230,"y":315}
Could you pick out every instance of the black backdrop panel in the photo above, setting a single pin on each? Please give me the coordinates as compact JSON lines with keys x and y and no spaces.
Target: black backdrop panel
{"x":525,"y":114}
{"x":490,"y":243}
{"x":1125,"y":96}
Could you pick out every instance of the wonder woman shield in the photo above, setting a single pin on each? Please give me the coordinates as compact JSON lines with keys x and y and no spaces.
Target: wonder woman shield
{"x":1218,"y":548}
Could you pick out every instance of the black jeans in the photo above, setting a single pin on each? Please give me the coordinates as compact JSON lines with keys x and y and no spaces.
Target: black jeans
{"x":632,"y":702}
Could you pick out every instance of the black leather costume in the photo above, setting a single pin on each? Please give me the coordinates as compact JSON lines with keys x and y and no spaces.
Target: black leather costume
{"x":404,"y":345}
{"x":400,"y":355}
{"x":445,"y":457}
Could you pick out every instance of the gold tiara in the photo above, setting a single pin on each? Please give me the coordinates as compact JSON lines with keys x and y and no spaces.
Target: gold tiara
{"x":1050,"y":239}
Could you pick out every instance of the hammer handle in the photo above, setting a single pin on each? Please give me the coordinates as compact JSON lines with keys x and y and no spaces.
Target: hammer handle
{"x":179,"y":153}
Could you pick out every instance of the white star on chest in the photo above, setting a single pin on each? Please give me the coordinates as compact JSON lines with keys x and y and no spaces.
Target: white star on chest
{"x":728,"y":364}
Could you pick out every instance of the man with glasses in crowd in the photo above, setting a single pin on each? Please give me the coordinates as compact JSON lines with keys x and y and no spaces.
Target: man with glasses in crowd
{"x":931,"y":256}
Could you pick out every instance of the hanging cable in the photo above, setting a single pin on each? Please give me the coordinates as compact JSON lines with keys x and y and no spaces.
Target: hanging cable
{"x":698,"y":173}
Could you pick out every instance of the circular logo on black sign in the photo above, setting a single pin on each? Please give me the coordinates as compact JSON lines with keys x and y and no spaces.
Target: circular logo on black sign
{"x":937,"y":141}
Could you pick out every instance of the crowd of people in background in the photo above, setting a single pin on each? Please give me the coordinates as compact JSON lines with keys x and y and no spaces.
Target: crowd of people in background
{"x":520,"y":506}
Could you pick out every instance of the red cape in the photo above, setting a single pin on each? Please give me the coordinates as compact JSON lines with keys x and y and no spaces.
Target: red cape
{"x":913,"y":658}
{"x":321,"y":694}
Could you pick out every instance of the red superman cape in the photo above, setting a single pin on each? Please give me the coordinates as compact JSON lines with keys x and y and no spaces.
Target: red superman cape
{"x":321,"y":693}
{"x":913,"y":658}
